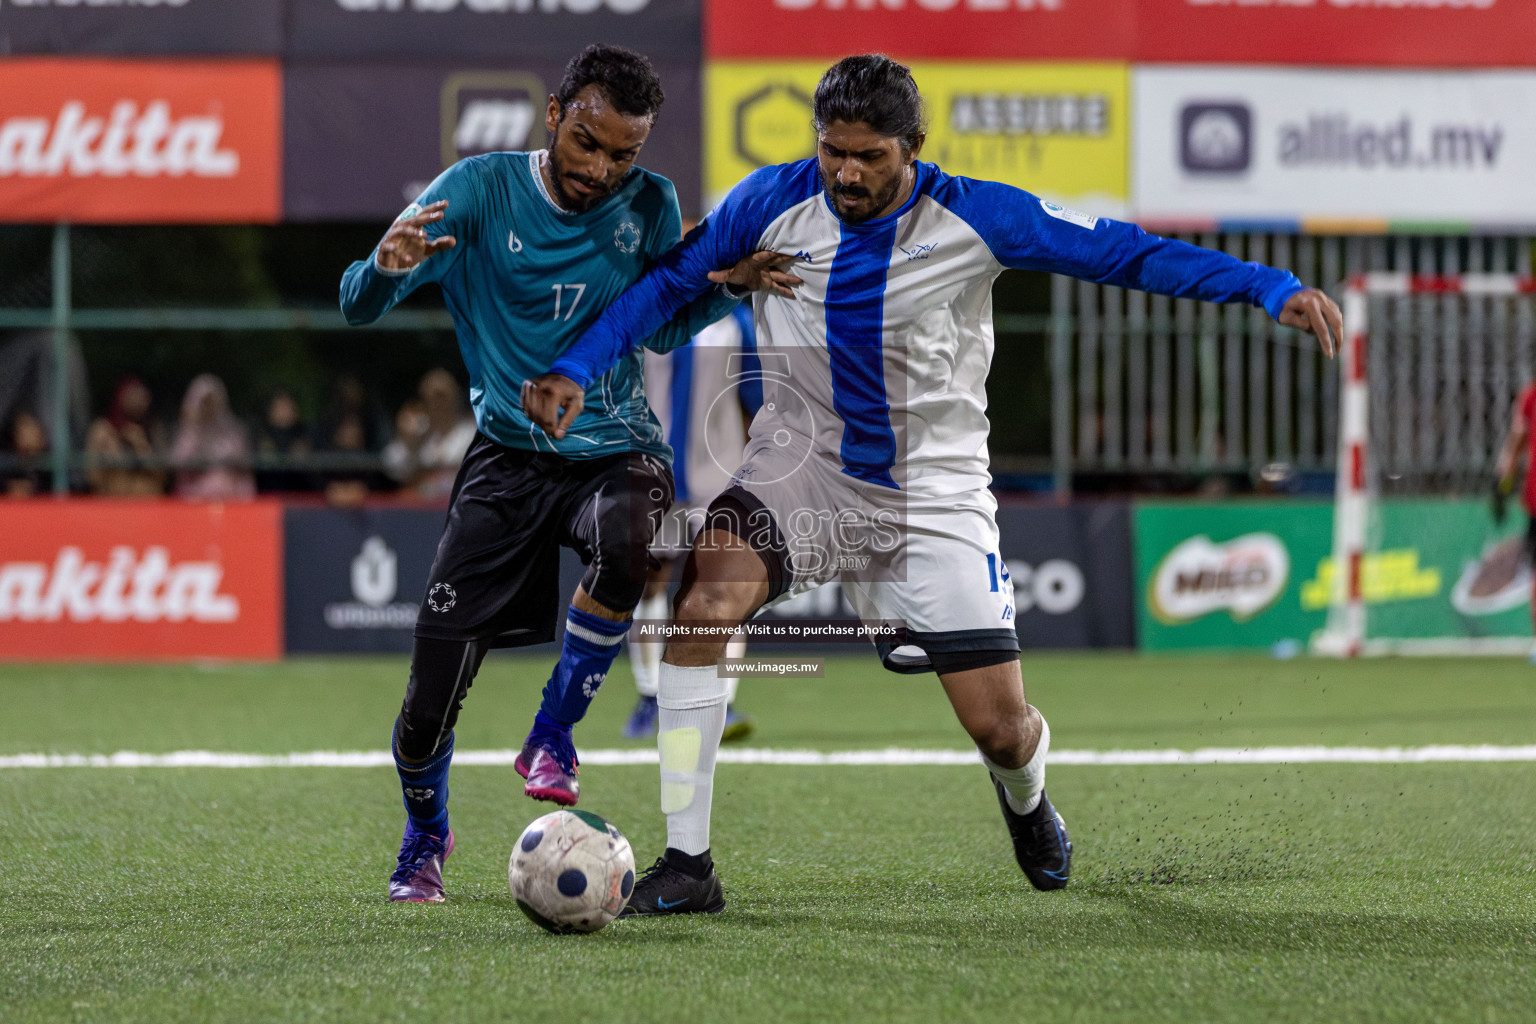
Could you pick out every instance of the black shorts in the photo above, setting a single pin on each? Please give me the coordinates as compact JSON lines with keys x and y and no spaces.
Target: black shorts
{"x":496,"y":576}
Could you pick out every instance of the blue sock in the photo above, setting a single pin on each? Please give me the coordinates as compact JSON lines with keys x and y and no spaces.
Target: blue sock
{"x":591,"y":644}
{"x":425,"y":787}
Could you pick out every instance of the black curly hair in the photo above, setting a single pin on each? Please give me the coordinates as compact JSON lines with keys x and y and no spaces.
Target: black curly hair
{"x":874,"y":89}
{"x":625,"y":77}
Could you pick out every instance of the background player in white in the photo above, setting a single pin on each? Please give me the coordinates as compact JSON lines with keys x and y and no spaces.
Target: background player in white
{"x":705,"y":395}
{"x":891,"y":338}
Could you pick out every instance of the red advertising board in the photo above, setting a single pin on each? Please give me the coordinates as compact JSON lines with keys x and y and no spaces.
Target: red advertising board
{"x":131,"y":141}
{"x":140,"y":580}
{"x":1423,"y":33}
{"x":1428,"y":33}
{"x":905,"y":29}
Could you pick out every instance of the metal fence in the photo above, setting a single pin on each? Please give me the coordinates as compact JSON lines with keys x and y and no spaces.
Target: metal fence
{"x":1140,"y":384}
{"x":1148,"y":384}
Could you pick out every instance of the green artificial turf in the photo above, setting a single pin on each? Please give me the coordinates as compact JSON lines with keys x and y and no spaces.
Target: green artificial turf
{"x":1315,"y":892}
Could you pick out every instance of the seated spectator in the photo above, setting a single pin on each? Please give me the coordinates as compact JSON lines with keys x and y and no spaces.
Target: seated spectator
{"x":351,"y":426}
{"x":211,"y":453}
{"x":431,"y":437}
{"x":26,"y":440}
{"x":281,"y":436}
{"x":118,"y":444}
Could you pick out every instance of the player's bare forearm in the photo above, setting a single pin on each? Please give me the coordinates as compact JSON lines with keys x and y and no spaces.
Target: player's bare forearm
{"x":552,"y":402}
{"x":1312,"y":310}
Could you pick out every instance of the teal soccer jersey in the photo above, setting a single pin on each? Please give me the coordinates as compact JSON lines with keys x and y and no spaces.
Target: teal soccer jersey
{"x":526,"y":279}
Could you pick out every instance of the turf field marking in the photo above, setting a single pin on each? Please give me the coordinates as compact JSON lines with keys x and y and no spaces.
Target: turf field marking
{"x":750,"y":755}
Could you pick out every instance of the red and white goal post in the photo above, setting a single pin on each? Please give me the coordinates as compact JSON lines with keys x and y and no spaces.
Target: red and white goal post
{"x":1482,"y":355}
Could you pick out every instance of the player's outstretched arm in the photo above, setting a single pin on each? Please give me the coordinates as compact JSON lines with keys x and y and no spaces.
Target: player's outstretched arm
{"x":1312,"y":310}
{"x":420,"y":246}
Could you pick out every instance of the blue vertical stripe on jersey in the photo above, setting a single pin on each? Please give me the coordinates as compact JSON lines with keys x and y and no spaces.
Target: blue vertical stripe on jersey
{"x":681,"y":397}
{"x":855,"y":309}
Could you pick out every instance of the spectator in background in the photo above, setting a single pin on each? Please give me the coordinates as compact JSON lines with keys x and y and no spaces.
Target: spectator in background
{"x":281,"y":436}
{"x":26,"y":440}
{"x":431,"y":437}
{"x":349,"y":427}
{"x":125,"y":440}
{"x":211,"y":453}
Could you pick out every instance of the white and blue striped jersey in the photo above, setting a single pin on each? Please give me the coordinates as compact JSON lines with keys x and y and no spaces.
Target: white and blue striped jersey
{"x":889,"y":340}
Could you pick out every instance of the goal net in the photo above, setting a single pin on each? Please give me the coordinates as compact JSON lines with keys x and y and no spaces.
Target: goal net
{"x":1430,"y":371}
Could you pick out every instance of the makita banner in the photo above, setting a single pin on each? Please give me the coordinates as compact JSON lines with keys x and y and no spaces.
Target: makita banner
{"x":493,"y":30}
{"x":139,"y":580}
{"x":1319,"y":147}
{"x":364,"y":140}
{"x":141,"y":26}
{"x":147,"y":142}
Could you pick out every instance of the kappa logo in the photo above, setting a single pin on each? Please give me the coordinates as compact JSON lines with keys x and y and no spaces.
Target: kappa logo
{"x":627,"y":237}
{"x":590,"y":685}
{"x":918,"y":251}
{"x":441,"y":597}
{"x":803,"y":255}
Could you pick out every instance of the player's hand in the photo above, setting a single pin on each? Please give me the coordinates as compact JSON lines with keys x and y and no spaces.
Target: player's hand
{"x":1312,"y":310}
{"x":406,"y":243}
{"x":553,"y":402}
{"x":762,"y":271}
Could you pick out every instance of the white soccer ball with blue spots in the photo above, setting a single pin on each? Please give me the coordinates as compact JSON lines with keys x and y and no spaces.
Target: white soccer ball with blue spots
{"x":571,"y":871}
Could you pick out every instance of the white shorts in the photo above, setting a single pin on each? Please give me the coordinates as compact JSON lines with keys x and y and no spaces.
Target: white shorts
{"x":933,"y":571}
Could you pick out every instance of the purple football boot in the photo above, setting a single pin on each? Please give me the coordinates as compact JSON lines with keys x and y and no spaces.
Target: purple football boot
{"x":418,"y":877}
{"x":548,"y":762}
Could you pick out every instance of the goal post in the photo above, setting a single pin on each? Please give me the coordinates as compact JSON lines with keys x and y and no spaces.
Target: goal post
{"x":1429,"y":369}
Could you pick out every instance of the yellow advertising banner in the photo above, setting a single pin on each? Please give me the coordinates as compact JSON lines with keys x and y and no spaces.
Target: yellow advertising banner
{"x":1058,"y":130}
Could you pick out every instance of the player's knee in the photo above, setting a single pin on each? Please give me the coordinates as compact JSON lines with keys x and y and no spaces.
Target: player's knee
{"x":417,"y":736}
{"x":1001,"y":742}
{"x":715,"y":601}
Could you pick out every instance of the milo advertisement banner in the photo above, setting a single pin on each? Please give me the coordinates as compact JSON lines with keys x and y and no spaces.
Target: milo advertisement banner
{"x":1260,"y":574}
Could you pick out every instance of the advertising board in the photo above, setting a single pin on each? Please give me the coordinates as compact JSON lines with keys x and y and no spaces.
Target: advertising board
{"x":139,"y":580}
{"x":1253,"y":574}
{"x":355,"y":578}
{"x":1067,"y":565}
{"x":131,"y":141}
{"x":908,"y":29}
{"x":1058,"y":130}
{"x":1404,"y":33}
{"x":363,"y":140}
{"x":1228,"y":575}
{"x":1369,"y":147}
{"x":462,"y":30}
{"x":1410,"y":33}
{"x":141,"y":27}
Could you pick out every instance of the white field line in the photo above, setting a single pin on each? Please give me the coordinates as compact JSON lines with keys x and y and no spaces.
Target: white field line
{"x":888,"y":756}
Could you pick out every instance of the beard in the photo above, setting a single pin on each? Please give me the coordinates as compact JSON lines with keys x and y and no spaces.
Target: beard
{"x":568,"y":199}
{"x":882,"y":199}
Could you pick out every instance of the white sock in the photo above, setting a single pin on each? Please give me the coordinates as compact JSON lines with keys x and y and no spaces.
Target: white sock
{"x":645,"y":655}
{"x":691,"y":717}
{"x":737,"y":648}
{"x":1024,"y":785}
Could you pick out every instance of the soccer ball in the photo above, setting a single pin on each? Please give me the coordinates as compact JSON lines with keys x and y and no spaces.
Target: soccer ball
{"x":571,"y":871}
